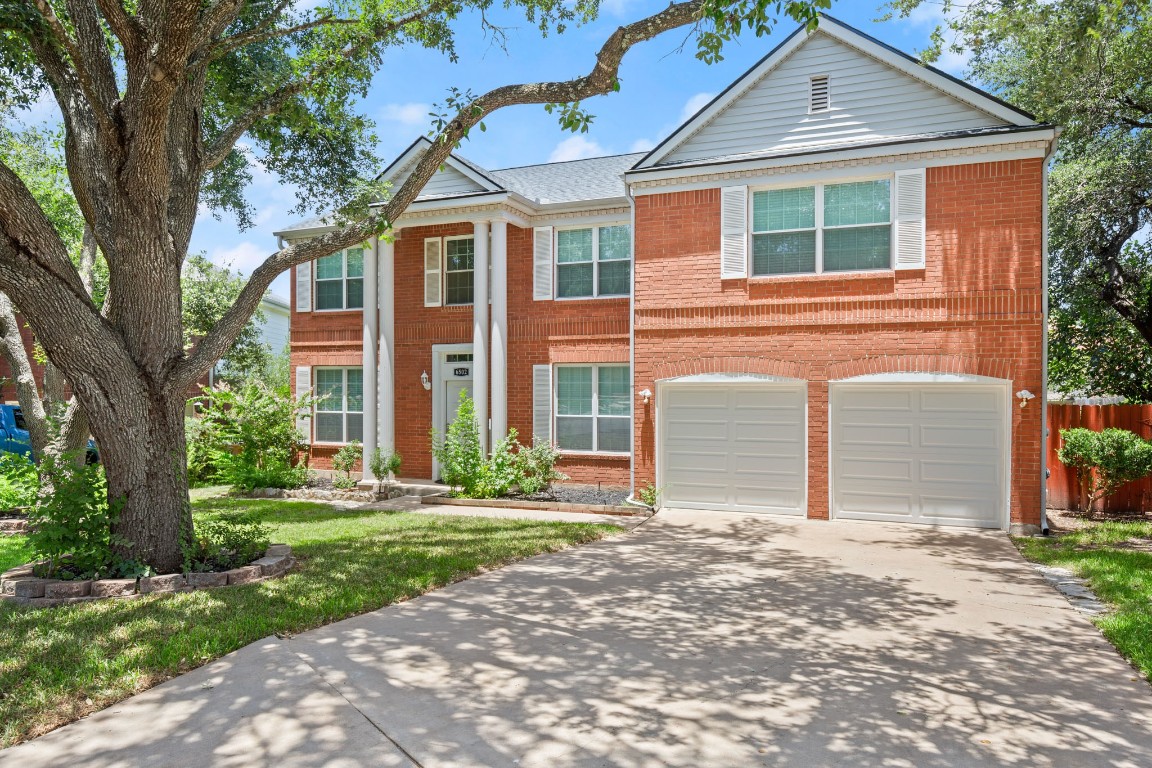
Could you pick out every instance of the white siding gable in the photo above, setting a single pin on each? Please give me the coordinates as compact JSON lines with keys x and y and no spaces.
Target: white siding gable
{"x":870,"y":101}
{"x":446,"y":181}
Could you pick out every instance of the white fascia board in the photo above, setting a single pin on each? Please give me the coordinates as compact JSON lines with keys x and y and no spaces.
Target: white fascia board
{"x":919,"y":71}
{"x":292,"y":235}
{"x":879,"y":152}
{"x":726,"y":98}
{"x":419,"y":147}
{"x":544,"y":209}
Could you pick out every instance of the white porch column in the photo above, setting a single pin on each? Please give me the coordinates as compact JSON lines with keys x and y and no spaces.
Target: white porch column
{"x":480,"y":330}
{"x":499,"y":329}
{"x":386,"y":402}
{"x":371,"y":320}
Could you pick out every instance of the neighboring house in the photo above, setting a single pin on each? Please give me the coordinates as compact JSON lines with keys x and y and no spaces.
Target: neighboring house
{"x":274,"y":334}
{"x":817,"y":297}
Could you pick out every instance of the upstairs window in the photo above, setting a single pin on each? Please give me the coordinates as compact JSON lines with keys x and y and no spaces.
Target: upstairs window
{"x":340,"y":280}
{"x":459,"y":269}
{"x":593,"y":262}
{"x":822,"y":228}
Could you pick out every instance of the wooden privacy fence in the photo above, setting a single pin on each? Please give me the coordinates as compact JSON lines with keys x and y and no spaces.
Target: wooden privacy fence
{"x":1063,"y":490}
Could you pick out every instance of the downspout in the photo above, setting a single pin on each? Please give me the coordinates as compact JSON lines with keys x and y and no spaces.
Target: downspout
{"x":1044,"y":367}
{"x":632,"y":338}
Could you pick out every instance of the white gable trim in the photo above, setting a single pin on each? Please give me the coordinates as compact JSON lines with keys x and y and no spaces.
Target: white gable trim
{"x":934,"y":78}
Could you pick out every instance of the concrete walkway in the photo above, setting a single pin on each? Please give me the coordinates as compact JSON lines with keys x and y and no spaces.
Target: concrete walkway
{"x":700,"y":639}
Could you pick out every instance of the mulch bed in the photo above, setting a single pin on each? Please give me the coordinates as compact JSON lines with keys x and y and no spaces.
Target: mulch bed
{"x":578,"y":494}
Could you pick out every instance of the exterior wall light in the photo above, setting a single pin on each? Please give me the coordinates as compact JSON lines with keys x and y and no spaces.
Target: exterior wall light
{"x":646,"y":394}
{"x":1024,"y":396}
{"x":425,"y":381}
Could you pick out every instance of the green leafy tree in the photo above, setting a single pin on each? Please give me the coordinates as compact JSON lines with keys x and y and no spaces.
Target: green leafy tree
{"x":1104,"y":461}
{"x":1083,"y":65}
{"x":154,"y":100}
{"x":208,"y":291}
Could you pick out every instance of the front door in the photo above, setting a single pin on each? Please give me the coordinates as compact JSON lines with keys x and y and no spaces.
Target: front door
{"x":453,"y":377}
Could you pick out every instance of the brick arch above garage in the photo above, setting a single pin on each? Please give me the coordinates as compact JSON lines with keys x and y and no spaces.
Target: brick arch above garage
{"x":747,"y":364}
{"x":992,"y":368}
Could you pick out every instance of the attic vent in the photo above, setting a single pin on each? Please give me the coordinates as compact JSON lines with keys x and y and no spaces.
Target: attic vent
{"x":818,"y":95}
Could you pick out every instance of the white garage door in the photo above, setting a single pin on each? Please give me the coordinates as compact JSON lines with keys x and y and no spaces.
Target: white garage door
{"x":919,"y":453}
{"x":733,"y":446}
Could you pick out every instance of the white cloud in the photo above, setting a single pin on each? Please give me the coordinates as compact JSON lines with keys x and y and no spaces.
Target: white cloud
{"x":616,"y":7}
{"x":694,"y":105}
{"x":576,"y":148}
{"x":242,"y":257}
{"x":931,"y":15}
{"x":642,"y":145}
{"x":411,"y":114}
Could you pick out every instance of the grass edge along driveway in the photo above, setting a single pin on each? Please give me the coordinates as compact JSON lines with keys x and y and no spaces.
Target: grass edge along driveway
{"x":60,"y":664}
{"x":1120,"y":575}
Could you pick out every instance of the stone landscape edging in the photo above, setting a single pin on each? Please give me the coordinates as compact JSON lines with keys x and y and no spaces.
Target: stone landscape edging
{"x":13,"y":526}
{"x":547,"y":506}
{"x":321,"y":494}
{"x":18,"y":585}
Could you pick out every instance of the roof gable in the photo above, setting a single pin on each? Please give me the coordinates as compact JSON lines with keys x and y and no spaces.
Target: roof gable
{"x":456,"y":176}
{"x":877,"y":94}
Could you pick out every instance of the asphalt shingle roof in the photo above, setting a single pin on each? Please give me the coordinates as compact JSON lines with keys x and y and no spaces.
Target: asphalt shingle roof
{"x":572,"y":181}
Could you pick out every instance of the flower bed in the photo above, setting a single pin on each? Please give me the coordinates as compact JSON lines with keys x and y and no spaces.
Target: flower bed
{"x":19,"y":585}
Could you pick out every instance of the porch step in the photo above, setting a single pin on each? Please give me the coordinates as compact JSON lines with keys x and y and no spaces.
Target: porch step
{"x":410,"y":488}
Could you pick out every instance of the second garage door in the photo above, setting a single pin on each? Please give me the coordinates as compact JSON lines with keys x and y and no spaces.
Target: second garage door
{"x":737,"y":446}
{"x":919,"y":453}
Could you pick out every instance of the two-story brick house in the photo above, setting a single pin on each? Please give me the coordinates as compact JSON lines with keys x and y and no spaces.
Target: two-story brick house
{"x":822,"y":295}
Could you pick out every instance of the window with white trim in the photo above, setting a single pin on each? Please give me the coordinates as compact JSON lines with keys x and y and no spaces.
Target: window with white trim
{"x":459,"y":269}
{"x":593,"y":261}
{"x":593,"y":408}
{"x":843,"y":227}
{"x":340,"y":280}
{"x":339,"y":405}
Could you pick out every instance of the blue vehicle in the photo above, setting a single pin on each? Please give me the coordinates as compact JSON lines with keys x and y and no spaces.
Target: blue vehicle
{"x":14,"y":437}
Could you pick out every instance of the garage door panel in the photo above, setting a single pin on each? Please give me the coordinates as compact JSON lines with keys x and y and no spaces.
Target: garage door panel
{"x":972,"y":474}
{"x":949,"y":470}
{"x":874,"y":435}
{"x":753,"y":438}
{"x":970,"y":403}
{"x":876,"y":468}
{"x":880,"y":399}
{"x":984,"y":437}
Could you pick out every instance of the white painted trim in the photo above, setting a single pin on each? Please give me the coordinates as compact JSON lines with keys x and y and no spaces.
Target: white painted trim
{"x":386,"y":378}
{"x":499,"y":340}
{"x":368,"y":347}
{"x":971,"y":149}
{"x":417,"y":149}
{"x":1004,"y":385}
{"x":722,"y":380}
{"x":480,"y":326}
{"x":439,"y":418}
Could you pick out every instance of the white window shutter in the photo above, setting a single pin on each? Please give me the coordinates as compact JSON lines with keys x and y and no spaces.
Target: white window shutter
{"x":542,"y":264}
{"x":432,"y":266}
{"x":303,"y":388}
{"x":910,"y":232}
{"x":541,"y":404}
{"x":733,"y":232}
{"x":304,"y":287}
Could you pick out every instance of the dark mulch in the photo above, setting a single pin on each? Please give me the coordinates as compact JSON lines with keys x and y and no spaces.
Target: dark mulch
{"x":579,"y":494}
{"x":1064,"y":520}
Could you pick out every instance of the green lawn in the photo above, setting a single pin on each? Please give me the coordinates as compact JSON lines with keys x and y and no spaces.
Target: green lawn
{"x":13,"y":551}
{"x":1120,"y":577}
{"x":58,"y":664}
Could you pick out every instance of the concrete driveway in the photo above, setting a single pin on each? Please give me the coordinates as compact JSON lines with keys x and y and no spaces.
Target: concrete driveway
{"x":700,"y":639}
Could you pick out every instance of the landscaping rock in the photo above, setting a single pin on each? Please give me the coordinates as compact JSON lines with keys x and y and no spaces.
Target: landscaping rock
{"x":113,"y":588}
{"x":170,"y":582}
{"x":54,"y":590}
{"x":26,"y":588}
{"x":198,"y":580}
{"x":245,"y":575}
{"x":273,"y":566}
{"x":19,"y":572}
{"x":278,"y":550}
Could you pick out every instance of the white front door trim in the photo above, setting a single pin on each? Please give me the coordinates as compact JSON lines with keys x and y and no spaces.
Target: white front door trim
{"x":440,"y":354}
{"x":910,"y":378}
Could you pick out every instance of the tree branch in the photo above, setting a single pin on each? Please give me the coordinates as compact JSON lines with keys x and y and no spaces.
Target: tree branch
{"x":14,"y":352}
{"x":258,"y":35}
{"x":226,"y":140}
{"x":602,"y":79}
{"x":126,"y":27}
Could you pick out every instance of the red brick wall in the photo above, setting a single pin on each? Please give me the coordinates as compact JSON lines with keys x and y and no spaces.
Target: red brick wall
{"x":976,"y":308}
{"x":539,"y":332}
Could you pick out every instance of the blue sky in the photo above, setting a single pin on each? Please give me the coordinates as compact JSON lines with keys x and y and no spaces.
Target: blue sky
{"x":662,"y":84}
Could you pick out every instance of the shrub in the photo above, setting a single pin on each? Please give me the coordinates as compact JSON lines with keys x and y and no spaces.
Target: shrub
{"x":537,"y":467}
{"x":384,"y":464}
{"x":1104,"y":461}
{"x":227,"y":542}
{"x":502,"y":469}
{"x":19,"y":481}
{"x":252,"y":437}
{"x":202,"y":443}
{"x":650,"y":495}
{"x":71,"y":524}
{"x":344,"y":462}
{"x":458,"y":450}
